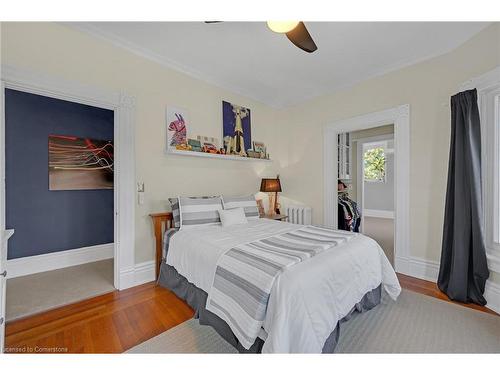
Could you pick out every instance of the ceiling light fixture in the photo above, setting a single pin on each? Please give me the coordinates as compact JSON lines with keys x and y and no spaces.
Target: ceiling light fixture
{"x":282,"y":26}
{"x":295,"y":31}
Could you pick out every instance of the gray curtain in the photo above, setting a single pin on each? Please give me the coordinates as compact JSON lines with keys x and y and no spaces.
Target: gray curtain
{"x":464,"y":270}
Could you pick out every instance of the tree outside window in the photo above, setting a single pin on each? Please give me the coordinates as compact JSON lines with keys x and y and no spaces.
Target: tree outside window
{"x":374,"y":164}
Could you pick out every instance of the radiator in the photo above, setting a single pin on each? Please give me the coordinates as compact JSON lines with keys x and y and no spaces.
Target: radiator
{"x":298,"y":215}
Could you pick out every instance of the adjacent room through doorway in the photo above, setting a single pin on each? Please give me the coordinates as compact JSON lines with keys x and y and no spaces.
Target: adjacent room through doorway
{"x":59,"y":195}
{"x":366,"y":184}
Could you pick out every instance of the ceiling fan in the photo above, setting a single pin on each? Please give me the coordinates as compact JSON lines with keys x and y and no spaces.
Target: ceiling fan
{"x":295,"y":31}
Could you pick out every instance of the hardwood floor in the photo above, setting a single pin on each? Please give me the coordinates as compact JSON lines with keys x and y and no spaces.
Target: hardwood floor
{"x":117,"y":321}
{"x":111,"y":323}
{"x":430,"y":289}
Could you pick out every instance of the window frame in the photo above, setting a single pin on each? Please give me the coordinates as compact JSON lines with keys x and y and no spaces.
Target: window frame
{"x":488,"y":90}
{"x":490,"y":119}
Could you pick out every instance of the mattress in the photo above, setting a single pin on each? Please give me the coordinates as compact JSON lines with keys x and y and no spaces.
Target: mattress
{"x":309,"y":299}
{"x":196,"y":298}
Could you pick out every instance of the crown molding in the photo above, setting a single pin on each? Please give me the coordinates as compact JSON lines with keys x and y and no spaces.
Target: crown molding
{"x":118,"y":42}
{"x":90,"y":29}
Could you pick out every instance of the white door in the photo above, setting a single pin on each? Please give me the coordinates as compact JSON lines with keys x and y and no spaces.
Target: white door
{"x":5,"y":235}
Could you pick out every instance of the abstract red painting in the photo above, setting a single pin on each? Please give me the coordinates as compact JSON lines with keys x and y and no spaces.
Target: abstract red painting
{"x":80,"y":163}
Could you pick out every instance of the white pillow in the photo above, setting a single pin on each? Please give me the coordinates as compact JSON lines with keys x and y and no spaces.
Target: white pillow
{"x":232,"y":217}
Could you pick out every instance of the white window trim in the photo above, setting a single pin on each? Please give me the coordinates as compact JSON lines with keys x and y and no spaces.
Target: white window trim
{"x":488,"y":93}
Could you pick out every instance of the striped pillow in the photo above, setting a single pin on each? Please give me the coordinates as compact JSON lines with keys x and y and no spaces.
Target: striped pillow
{"x":247,"y":202}
{"x":174,"y":203}
{"x":195,"y":212}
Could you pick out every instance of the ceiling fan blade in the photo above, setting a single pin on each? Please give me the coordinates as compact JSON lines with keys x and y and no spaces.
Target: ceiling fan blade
{"x":213,"y":21}
{"x":301,"y":38}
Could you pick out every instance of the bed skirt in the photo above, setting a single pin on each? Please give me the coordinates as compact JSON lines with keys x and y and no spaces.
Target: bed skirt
{"x":197,"y":298}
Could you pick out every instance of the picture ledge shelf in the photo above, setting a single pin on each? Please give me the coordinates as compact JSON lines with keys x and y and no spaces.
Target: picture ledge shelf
{"x":215,"y":156}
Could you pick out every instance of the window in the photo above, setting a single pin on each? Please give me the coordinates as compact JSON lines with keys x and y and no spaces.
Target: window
{"x":496,"y":189}
{"x":495,"y":233}
{"x":374,"y":163}
{"x":488,"y":87}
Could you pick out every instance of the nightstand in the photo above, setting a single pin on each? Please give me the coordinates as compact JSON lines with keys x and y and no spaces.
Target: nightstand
{"x":275,"y":217}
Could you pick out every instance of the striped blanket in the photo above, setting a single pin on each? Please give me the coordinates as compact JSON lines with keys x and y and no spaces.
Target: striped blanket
{"x":246,"y":274}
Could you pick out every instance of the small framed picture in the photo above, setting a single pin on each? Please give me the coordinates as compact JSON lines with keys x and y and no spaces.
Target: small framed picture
{"x":177,"y":120}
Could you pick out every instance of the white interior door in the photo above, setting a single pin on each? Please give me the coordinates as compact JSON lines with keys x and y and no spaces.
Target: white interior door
{"x":5,"y":235}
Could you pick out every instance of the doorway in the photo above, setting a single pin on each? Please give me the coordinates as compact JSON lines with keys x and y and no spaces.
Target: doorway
{"x":366,"y":184}
{"x":400,"y":118}
{"x":123,"y":107}
{"x":59,"y":199}
{"x":375,"y":177}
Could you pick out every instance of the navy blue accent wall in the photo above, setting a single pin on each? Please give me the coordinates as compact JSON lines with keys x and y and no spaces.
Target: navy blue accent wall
{"x":49,"y":221}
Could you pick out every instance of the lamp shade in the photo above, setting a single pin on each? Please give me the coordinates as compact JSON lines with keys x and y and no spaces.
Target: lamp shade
{"x":270,"y":185}
{"x":282,"y":26}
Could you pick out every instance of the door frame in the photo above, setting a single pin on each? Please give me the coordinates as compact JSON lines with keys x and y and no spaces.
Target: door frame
{"x":400,"y":117}
{"x":123,"y":106}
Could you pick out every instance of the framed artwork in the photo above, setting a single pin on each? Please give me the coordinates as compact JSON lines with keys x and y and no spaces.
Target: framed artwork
{"x":80,"y":163}
{"x":236,"y":129}
{"x":177,"y":125}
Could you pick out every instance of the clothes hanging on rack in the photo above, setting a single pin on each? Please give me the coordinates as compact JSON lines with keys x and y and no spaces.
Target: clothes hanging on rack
{"x":349,"y":217}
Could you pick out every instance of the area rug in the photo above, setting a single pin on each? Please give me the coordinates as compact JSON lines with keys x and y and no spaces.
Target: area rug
{"x":413,"y":324}
{"x":28,"y":295}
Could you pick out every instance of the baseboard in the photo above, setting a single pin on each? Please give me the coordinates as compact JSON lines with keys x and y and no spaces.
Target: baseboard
{"x":60,"y":259}
{"x":429,"y":270}
{"x":384,"y":214}
{"x":424,"y":269}
{"x":141,"y":273}
{"x":492,"y":295}
{"x":418,"y":267}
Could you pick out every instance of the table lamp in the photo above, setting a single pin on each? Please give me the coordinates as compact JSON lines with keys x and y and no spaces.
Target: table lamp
{"x":272,"y":185}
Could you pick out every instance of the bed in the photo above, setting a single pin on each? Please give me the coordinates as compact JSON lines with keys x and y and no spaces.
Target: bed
{"x":308,"y":301}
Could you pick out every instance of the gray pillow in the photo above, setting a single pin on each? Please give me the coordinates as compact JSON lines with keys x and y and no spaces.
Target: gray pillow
{"x":174,"y":204}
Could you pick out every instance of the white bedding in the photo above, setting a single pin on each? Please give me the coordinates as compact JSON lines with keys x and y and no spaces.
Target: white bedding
{"x":308,"y":299}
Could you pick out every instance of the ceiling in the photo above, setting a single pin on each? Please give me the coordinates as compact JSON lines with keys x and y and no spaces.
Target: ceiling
{"x":249,"y":59}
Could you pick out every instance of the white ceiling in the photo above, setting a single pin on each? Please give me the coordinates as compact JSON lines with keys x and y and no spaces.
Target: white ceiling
{"x":248,"y":58}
